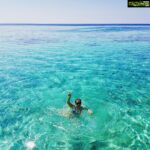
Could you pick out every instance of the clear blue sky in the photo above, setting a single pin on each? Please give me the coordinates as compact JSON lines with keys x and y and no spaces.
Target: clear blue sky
{"x":71,"y":11}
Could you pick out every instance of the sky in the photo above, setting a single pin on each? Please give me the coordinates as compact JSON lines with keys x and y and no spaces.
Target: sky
{"x":71,"y":11}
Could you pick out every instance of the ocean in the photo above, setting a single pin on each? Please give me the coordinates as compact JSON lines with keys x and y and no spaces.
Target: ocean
{"x":107,"y":66}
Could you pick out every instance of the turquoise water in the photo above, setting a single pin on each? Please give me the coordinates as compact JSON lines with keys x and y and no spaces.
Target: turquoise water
{"x":108,"y":67}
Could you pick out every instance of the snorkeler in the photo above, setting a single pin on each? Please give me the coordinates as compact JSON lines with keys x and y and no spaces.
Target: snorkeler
{"x":77,"y":108}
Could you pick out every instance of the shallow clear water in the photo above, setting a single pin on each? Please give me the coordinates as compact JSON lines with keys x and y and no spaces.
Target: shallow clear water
{"x":108,"y":67}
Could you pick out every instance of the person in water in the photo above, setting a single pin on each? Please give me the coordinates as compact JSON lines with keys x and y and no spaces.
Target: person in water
{"x":77,"y":108}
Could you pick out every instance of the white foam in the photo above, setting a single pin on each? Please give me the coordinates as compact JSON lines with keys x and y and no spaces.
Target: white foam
{"x":30,"y":145}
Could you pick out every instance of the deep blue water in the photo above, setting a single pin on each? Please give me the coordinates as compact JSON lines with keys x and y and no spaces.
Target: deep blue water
{"x":107,"y":66}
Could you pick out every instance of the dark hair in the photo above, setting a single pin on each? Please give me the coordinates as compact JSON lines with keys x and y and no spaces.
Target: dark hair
{"x":79,"y":100}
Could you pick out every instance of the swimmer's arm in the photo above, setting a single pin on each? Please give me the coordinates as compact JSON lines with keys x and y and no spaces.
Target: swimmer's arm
{"x":88,"y":110}
{"x":84,"y":108}
{"x":68,"y":101}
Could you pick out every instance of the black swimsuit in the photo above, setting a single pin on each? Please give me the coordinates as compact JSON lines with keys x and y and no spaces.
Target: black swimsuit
{"x":75,"y":111}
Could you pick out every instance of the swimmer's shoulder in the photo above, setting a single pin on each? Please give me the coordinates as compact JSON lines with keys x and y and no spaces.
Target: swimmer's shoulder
{"x":84,"y":108}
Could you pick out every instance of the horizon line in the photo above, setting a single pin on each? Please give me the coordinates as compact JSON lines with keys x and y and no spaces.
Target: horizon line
{"x":73,"y":24}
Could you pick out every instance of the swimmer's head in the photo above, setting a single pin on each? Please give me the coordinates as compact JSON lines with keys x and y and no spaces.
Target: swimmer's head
{"x":78,"y":102}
